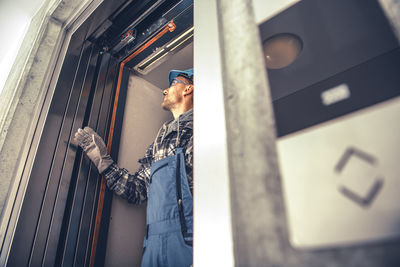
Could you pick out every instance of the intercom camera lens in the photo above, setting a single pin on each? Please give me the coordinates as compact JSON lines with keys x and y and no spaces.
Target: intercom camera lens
{"x":281,"y":50}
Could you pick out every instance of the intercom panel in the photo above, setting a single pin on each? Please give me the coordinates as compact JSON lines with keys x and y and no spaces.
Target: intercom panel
{"x":333,"y":68}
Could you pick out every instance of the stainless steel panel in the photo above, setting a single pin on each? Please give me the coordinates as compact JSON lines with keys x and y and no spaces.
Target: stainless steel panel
{"x":341,"y":179}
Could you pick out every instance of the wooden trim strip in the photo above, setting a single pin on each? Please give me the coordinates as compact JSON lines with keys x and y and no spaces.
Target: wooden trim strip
{"x":169,"y":28}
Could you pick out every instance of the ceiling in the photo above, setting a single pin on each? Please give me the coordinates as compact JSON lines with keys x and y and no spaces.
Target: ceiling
{"x":181,"y":60}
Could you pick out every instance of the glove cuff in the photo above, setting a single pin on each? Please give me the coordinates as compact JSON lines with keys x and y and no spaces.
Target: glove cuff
{"x":104,"y":164}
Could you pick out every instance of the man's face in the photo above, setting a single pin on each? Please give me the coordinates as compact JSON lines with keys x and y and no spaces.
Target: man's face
{"x":174,"y":94}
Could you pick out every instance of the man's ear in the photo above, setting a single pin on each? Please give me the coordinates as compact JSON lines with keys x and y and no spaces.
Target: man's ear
{"x":188,"y":90}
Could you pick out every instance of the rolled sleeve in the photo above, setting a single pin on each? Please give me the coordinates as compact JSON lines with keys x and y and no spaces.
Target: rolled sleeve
{"x":132,"y":187}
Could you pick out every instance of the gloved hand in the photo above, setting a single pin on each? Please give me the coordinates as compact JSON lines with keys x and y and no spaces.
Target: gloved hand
{"x":94,"y":147}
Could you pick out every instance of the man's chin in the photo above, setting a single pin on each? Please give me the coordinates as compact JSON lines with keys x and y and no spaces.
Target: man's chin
{"x":165,"y":107}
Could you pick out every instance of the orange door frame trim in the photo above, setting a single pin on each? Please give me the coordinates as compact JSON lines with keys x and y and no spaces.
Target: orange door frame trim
{"x":169,"y":28}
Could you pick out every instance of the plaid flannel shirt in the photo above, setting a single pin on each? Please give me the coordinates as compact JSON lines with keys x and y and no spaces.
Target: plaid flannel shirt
{"x":134,"y":187}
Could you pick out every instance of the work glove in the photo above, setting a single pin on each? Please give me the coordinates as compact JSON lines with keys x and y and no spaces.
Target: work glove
{"x":94,"y":147}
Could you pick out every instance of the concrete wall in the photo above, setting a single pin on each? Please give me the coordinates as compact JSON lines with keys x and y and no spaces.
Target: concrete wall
{"x":26,"y":96}
{"x":23,"y":91}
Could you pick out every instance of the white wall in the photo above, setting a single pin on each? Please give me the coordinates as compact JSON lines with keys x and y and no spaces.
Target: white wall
{"x":264,"y":10}
{"x":212,"y":213}
{"x":142,"y":120}
{"x":15,"y":17}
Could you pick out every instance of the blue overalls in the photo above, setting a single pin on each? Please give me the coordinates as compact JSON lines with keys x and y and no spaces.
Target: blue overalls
{"x":169,"y":236}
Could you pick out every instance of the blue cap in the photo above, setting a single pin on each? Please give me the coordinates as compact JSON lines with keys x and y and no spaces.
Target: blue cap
{"x":175,"y":73}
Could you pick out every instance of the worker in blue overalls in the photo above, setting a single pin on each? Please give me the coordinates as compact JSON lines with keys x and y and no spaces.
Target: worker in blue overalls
{"x":164,"y":181}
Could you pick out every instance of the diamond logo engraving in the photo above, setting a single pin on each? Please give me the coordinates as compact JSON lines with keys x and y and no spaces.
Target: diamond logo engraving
{"x":359,"y":181}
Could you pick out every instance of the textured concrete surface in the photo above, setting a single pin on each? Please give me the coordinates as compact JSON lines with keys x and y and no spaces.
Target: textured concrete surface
{"x":25,"y":91}
{"x":23,"y":109}
{"x":20,"y":70}
{"x":65,"y":9}
{"x":258,"y":214}
{"x":255,"y":187}
{"x":24,"y":88}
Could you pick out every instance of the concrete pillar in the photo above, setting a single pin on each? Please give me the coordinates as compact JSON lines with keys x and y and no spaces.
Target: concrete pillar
{"x":254,"y":183}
